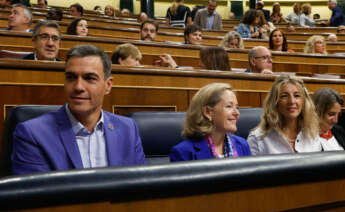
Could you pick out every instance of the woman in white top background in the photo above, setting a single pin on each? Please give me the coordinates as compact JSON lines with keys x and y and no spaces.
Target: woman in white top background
{"x":294,"y":16}
{"x":328,"y":105}
{"x":289,"y":123}
{"x":305,"y":20}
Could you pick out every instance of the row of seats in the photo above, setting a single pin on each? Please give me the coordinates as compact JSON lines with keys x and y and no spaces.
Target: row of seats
{"x":159,"y":131}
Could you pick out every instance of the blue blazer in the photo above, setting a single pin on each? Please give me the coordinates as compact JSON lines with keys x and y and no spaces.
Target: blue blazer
{"x":48,"y":143}
{"x":199,"y":150}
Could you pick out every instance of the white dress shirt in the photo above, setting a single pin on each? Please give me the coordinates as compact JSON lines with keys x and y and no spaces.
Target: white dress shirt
{"x":276,"y":143}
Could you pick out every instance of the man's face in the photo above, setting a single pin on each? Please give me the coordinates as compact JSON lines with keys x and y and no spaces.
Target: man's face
{"x":41,"y":4}
{"x":17,"y":19}
{"x":262,"y":60}
{"x":85,"y":86}
{"x":148,"y":33}
{"x":331,"y":5}
{"x":47,"y":43}
{"x":74,"y":12}
{"x":211,"y":7}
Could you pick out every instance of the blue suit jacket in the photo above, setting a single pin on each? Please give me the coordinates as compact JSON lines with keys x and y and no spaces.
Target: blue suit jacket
{"x":199,"y":150}
{"x":48,"y":143}
{"x":337,"y":17}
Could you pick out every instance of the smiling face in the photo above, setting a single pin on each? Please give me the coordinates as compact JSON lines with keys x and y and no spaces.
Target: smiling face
{"x":195,"y":38}
{"x":290,"y":102}
{"x":277,"y":39}
{"x":85,"y":86}
{"x":224,"y":114}
{"x":47,"y":43}
{"x":82,"y":28}
{"x":330,"y":117}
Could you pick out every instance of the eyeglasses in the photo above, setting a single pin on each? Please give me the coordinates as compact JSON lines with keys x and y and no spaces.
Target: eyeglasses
{"x":46,"y":37}
{"x":265,"y":57}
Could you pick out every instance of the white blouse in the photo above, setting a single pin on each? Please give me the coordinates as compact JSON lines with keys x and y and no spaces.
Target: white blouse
{"x":276,"y":143}
{"x":330,"y":144}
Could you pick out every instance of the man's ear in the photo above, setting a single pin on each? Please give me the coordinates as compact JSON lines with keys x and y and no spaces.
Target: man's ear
{"x":108,"y":84}
{"x":27,"y":20}
{"x":207,"y":112}
{"x":252,"y":62}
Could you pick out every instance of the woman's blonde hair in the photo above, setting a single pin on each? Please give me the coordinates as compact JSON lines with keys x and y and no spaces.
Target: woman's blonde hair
{"x":174,"y":7}
{"x":229,"y":37}
{"x":305,"y":8}
{"x":196,"y":125}
{"x":310,"y":44}
{"x":272,"y":119}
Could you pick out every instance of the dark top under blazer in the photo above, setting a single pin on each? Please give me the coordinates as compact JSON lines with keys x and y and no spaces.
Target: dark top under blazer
{"x":199,"y":150}
{"x":339,"y":134}
{"x":32,"y":57}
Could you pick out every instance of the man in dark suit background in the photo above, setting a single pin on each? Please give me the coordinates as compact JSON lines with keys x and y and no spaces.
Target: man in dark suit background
{"x":260,"y":6}
{"x":46,"y":40}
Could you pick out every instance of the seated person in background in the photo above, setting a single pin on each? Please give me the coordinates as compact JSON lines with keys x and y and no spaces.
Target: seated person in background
{"x":54,"y":14}
{"x":42,"y":4}
{"x":214,"y":58}
{"x":278,"y":42}
{"x":315,"y":45}
{"x":316,"y":16}
{"x":341,"y":29}
{"x":78,"y":27}
{"x":265,"y":27}
{"x":125,"y":13}
{"x":291,"y":28}
{"x":76,"y":10}
{"x":109,"y":11}
{"x":276,"y":16}
{"x":248,"y":27}
{"x":46,"y":40}
{"x":80,"y":134}
{"x":20,"y":18}
{"x":332,"y":37}
{"x":233,"y":40}
{"x":97,"y":8}
{"x":294,"y":16}
{"x":289,"y":123}
{"x":208,"y":18}
{"x":260,"y":6}
{"x":193,"y":35}
{"x":178,"y":15}
{"x":305,"y":20}
{"x":209,"y":126}
{"x":260,"y":60}
{"x":127,"y":55}
{"x":5,"y":3}
{"x":142,"y":17}
{"x":328,"y":105}
{"x":148,"y":30}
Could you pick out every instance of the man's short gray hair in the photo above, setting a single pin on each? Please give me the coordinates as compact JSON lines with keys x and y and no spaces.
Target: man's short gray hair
{"x":45,"y":23}
{"x":252,"y":53}
{"x":90,"y":50}
{"x":27,"y":12}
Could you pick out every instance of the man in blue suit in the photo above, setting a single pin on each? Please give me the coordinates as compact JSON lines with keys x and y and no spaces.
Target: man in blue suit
{"x":80,"y":134}
{"x":337,"y":17}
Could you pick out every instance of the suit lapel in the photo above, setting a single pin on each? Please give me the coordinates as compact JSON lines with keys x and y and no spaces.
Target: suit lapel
{"x":112,"y":139}
{"x":68,"y":138}
{"x":202,"y":151}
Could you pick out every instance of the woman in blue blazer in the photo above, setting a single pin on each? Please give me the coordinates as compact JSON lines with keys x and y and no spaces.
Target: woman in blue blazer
{"x":209,"y":126}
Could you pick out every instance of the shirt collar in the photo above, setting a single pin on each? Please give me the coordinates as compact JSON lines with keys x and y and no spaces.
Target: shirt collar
{"x":37,"y":59}
{"x":78,"y":127}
